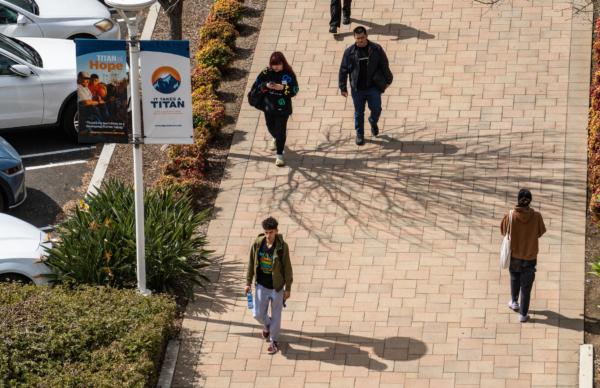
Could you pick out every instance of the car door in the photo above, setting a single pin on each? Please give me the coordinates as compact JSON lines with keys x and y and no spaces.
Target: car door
{"x":21,"y":98}
{"x":14,"y":22}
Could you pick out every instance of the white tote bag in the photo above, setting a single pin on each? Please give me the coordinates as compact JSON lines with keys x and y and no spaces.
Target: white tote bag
{"x":505,"y":247}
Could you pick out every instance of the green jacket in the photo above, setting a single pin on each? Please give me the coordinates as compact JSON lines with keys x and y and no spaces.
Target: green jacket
{"x":282,"y":266}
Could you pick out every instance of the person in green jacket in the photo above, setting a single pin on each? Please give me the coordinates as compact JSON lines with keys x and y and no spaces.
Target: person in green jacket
{"x":270,"y":265}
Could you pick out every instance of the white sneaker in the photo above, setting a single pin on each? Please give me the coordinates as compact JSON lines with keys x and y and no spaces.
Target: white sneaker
{"x":513,"y":305}
{"x":523,"y":318}
{"x":273,"y":146}
{"x":279,"y":162}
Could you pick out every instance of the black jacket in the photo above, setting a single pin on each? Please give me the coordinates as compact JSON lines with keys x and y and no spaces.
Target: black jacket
{"x":378,"y":67}
{"x":277,"y":102}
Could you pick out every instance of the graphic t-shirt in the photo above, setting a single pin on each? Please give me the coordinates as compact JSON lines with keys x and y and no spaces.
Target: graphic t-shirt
{"x":264,"y":272}
{"x":363,"y":61}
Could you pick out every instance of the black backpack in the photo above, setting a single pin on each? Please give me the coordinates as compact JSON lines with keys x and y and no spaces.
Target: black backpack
{"x":256,"y":98}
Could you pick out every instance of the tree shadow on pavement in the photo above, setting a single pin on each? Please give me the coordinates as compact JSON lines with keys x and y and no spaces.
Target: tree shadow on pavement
{"x":413,"y":177}
{"x":397,"y":30}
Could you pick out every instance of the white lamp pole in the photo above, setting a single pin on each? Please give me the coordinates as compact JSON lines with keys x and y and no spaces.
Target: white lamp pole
{"x":123,"y":6}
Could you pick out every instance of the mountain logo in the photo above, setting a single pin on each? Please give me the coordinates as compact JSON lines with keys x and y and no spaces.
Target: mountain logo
{"x":166,"y":80}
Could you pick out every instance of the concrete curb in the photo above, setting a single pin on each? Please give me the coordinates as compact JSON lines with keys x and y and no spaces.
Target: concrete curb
{"x":168,"y":367}
{"x":586,"y":366}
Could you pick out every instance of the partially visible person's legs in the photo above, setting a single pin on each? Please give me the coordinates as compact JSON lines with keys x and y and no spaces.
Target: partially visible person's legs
{"x":276,"y":310}
{"x":527,"y":279}
{"x":515,"y":286}
{"x":346,"y":10}
{"x":374,"y":102}
{"x":359,"y":98}
{"x":261,"y":306}
{"x":336,"y":14}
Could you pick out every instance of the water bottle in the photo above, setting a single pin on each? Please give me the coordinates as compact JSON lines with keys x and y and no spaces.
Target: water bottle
{"x":250,"y":302}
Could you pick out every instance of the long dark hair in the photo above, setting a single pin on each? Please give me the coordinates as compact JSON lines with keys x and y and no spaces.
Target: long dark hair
{"x":277,"y":58}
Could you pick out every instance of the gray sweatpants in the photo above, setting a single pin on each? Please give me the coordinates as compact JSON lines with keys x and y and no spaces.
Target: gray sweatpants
{"x":262,"y":297}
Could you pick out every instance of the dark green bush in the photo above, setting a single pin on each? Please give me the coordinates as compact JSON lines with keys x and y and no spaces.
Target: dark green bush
{"x":97,"y":242}
{"x":87,"y":337}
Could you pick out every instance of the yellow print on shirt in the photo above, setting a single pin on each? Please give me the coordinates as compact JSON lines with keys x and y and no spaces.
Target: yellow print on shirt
{"x":266,"y":262}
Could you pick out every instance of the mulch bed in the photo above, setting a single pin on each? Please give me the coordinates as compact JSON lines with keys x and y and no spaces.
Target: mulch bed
{"x":231,"y":91}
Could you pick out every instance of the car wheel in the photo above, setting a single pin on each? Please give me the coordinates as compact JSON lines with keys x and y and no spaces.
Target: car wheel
{"x":82,"y":36}
{"x":14,"y":277}
{"x":70,"y":120}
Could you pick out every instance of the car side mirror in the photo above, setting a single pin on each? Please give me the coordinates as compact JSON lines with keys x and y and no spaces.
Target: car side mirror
{"x":21,"y":70}
{"x":22,"y":20}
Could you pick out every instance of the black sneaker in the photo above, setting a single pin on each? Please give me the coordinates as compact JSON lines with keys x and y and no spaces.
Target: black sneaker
{"x":346,"y":20}
{"x":333,"y":29}
{"x":374,"y":130}
{"x":360,"y":140}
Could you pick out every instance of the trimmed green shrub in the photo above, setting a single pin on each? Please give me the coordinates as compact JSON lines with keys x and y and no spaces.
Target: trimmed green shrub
{"x":208,"y":111}
{"x":97,"y":242}
{"x":214,"y":53}
{"x":218,"y":29}
{"x":205,"y":77}
{"x":88,"y":337}
{"x":227,"y":10}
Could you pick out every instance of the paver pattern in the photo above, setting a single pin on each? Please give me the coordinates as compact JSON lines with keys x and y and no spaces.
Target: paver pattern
{"x":395,"y":244}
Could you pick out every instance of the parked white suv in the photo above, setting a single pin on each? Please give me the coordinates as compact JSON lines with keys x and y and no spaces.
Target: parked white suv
{"x":38,"y":84}
{"x":57,"y":19}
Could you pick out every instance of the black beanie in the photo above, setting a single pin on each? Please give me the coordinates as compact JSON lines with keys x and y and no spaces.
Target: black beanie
{"x":524,"y":198}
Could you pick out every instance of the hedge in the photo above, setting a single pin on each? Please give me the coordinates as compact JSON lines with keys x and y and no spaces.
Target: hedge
{"x":88,"y":337}
{"x":594,"y":131}
{"x":185,"y":170}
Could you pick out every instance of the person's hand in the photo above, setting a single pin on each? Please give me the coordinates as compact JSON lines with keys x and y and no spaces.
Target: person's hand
{"x":248,"y":289}
{"x":286,"y":295}
{"x":344,"y":93}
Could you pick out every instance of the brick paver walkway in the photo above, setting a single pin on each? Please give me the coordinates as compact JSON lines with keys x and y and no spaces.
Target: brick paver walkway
{"x":395,"y":244}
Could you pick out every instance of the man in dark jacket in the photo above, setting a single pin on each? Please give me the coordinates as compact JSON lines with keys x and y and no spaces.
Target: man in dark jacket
{"x":336,"y":14}
{"x":369,"y":70}
{"x":270,"y":264}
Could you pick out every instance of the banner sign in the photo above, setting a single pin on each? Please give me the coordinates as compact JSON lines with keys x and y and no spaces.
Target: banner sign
{"x":102,"y":89}
{"x":166,"y":92}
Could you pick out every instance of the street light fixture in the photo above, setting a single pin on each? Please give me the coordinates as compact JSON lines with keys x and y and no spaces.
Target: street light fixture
{"x":123,"y":6}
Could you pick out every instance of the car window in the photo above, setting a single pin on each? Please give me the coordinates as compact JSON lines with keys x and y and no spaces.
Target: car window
{"x":27,"y":5}
{"x":7,"y":16}
{"x":5,"y":63}
{"x":21,"y":50}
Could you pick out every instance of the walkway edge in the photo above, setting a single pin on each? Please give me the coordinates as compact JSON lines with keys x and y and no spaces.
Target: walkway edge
{"x":108,"y":149}
{"x":586,"y":366}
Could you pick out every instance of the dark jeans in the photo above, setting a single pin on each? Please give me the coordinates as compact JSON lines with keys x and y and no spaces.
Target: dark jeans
{"x":336,"y":11}
{"x":277,"y":126}
{"x":372,"y":97}
{"x":522,"y":275}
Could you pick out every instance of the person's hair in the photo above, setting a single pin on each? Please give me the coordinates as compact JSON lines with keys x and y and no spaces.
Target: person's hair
{"x":80,"y":77}
{"x":524,"y":198}
{"x":270,"y":224}
{"x":360,"y":30}
{"x":277,"y":58}
{"x":94,"y":76}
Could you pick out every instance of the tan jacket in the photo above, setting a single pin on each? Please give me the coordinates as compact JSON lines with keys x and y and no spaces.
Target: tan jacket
{"x":527,"y":227}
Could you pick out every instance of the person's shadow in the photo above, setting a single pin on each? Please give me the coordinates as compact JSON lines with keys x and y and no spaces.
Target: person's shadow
{"x":397,"y":30}
{"x":555,"y":319}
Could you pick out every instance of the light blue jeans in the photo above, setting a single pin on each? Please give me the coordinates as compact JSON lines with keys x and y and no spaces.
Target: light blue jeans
{"x":262,"y":297}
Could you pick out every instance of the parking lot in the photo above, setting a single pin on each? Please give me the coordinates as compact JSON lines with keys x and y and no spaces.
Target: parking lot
{"x":57,"y":169}
{"x":57,"y":172}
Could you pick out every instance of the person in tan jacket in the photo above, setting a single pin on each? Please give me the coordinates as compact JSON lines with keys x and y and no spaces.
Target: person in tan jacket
{"x":526,"y":228}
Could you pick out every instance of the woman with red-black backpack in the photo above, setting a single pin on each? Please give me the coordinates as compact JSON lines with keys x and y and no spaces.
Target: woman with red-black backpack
{"x":277,"y":84}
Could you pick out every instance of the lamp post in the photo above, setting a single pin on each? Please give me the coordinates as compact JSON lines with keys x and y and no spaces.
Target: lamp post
{"x":136,"y":6}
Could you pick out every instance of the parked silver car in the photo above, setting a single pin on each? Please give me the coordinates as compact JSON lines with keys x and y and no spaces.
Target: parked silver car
{"x":22,"y":250}
{"x":12,"y":177}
